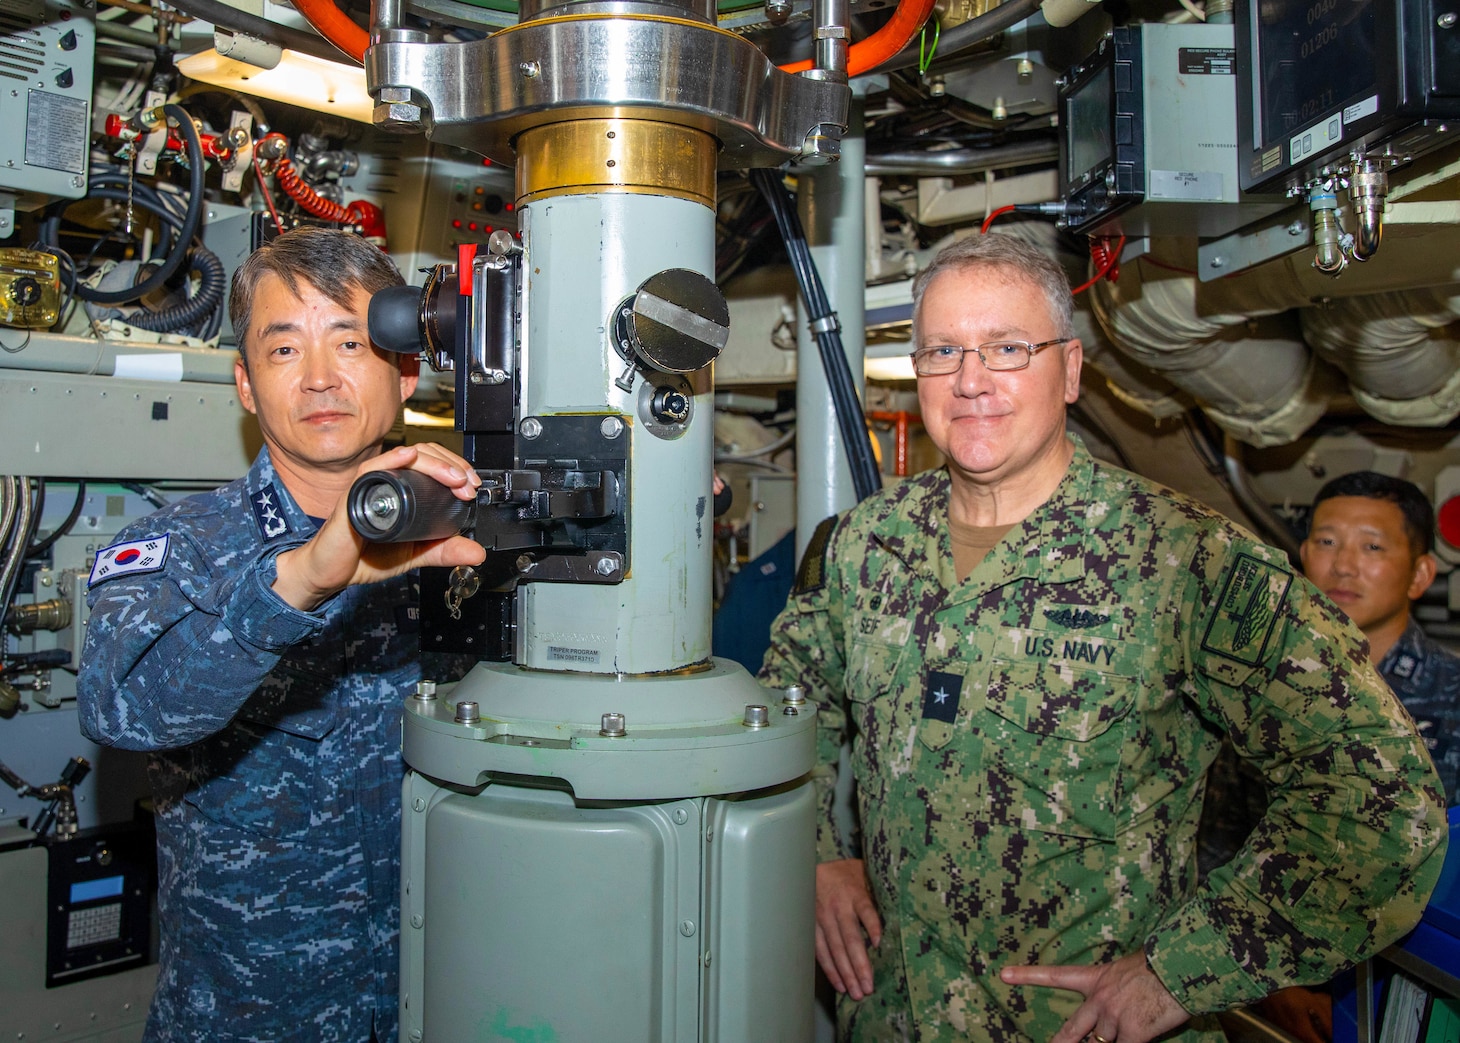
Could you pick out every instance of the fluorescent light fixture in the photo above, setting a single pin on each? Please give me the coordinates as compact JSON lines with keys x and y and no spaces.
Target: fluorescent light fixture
{"x":887,"y":370}
{"x":297,"y":79}
{"x":889,"y":360}
{"x":889,"y":317}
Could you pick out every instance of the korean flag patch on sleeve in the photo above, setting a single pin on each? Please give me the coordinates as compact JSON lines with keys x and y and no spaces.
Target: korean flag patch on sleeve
{"x":121,"y":559}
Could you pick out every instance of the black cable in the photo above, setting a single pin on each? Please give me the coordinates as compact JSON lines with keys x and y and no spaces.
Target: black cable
{"x":1207,"y":447}
{"x":203,"y":307}
{"x":147,"y":493}
{"x":1086,"y":418}
{"x":974,"y":31}
{"x":152,"y":201}
{"x":46,"y":544}
{"x":851,"y":423}
{"x":225,"y":16}
{"x":191,"y":222}
{"x":140,"y":190}
{"x":260,"y":121}
{"x":199,"y":308}
{"x":171,"y":219}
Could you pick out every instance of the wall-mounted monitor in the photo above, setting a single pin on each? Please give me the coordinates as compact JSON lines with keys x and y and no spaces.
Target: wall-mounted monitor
{"x":1320,"y":79}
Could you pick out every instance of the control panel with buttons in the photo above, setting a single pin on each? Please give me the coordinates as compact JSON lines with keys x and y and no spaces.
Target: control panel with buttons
{"x":463,"y":198}
{"x":100,"y":898}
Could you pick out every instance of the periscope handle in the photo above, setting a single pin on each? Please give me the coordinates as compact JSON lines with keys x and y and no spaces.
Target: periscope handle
{"x":406,"y":506}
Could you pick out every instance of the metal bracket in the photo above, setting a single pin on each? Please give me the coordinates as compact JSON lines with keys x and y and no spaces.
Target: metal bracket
{"x":549,"y":495}
{"x":562,"y":512}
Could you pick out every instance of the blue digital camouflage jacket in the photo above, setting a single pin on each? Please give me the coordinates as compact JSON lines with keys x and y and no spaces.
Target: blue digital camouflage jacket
{"x":1426,"y":677}
{"x":276,"y":766}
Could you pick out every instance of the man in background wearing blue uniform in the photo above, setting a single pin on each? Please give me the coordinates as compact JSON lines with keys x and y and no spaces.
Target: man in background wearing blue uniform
{"x":260,"y":650}
{"x":1369,"y":549}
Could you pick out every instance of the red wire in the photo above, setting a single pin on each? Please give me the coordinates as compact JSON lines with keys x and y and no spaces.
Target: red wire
{"x":1106,"y":258}
{"x":264,"y":188}
{"x":287,"y":178}
{"x":990,"y":219}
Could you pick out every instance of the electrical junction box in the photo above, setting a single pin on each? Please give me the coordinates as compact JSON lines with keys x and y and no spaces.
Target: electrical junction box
{"x":47,"y":58}
{"x":1149,"y":144}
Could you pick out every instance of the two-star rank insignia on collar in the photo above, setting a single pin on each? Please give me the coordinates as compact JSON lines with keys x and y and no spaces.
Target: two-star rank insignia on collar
{"x":940,"y":697}
{"x":268,"y":512}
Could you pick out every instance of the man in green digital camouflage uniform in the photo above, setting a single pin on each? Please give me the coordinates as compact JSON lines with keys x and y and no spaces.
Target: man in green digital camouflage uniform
{"x":1036,"y":656}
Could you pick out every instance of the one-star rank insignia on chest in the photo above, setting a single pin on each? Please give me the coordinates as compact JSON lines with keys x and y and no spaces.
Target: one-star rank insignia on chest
{"x":940,"y":696}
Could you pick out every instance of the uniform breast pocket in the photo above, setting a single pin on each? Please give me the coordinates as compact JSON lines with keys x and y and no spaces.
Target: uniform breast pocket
{"x":258,"y":779}
{"x":871,"y":669}
{"x":261,"y":774}
{"x":875,"y":710}
{"x":296,"y":698}
{"x":1054,"y":746}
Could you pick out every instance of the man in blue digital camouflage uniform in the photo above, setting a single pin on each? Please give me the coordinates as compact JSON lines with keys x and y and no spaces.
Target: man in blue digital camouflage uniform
{"x":1036,"y":656}
{"x":260,"y":650}
{"x":1369,"y":549}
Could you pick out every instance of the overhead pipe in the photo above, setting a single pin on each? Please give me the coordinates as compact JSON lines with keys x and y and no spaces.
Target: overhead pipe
{"x":1400,"y":352}
{"x":949,"y":162}
{"x":1368,"y":187}
{"x":1138,"y":386}
{"x":963,"y":36}
{"x":1262,"y":360}
{"x":1251,"y":372}
{"x":225,"y":16}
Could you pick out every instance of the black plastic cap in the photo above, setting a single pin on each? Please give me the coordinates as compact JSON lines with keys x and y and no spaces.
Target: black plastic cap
{"x":395,"y":319}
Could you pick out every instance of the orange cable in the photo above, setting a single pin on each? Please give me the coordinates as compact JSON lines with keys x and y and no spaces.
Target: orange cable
{"x":867,"y":54}
{"x":333,"y":24}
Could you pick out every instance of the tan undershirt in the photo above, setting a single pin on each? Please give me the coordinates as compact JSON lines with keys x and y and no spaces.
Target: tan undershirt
{"x":972,"y":543}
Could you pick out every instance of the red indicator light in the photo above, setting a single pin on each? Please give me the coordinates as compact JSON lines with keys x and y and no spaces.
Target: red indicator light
{"x":1448,"y":521}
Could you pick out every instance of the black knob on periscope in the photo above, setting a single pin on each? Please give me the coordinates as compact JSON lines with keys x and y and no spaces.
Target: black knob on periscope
{"x":405,"y":506}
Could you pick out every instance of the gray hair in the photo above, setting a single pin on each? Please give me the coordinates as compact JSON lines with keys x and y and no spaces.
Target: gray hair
{"x":334,"y":262}
{"x":1012,"y":255}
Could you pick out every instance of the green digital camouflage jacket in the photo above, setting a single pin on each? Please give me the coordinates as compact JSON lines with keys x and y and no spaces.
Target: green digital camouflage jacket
{"x":1030,"y":749}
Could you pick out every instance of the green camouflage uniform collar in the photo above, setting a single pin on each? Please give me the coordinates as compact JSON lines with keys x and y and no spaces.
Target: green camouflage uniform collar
{"x":1048,"y":546}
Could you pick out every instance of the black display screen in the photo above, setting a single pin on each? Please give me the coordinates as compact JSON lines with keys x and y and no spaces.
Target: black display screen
{"x":1313,"y":57}
{"x":1087,"y":124}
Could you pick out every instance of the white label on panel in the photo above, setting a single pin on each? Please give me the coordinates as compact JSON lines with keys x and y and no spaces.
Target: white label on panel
{"x":1201,"y":185}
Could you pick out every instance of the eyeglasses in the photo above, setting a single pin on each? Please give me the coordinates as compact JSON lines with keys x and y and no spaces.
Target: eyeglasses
{"x":939,"y":360}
